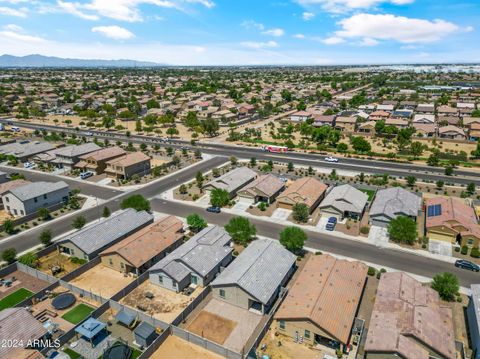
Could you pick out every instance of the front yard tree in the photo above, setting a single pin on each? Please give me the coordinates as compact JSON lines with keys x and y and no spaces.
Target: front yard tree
{"x":403,"y":229}
{"x":446,"y":284}
{"x":9,"y":255}
{"x":471,"y":188}
{"x":449,"y":171}
{"x":360,"y":144}
{"x":290,"y":167}
{"x":411,"y":180}
{"x":79,"y":222}
{"x":196,"y":222}
{"x":183,"y":189}
{"x":199,"y":179}
{"x":44,"y":214}
{"x":8,"y":226}
{"x":293,"y":238}
{"x":233,"y":160}
{"x":137,"y":202}
{"x":301,"y":212}
{"x":416,"y":149}
{"x":46,"y":237}
{"x":219,"y":197}
{"x":439,"y":184}
{"x":241,"y":230}
{"x":433,"y":160}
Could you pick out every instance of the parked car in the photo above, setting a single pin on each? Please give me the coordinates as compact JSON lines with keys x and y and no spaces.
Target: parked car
{"x":461,"y":263}
{"x":29,"y":165}
{"x":332,"y":222}
{"x":331,"y":159}
{"x":214,"y":209}
{"x":88,"y":133}
{"x":283,"y":179}
{"x":86,"y":174}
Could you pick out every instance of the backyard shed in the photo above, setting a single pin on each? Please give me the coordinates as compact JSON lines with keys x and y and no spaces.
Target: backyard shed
{"x":145,"y":334}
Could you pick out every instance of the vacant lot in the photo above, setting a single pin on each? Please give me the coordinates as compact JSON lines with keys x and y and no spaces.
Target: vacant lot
{"x":175,"y":347}
{"x":14,"y":298}
{"x":78,"y":313}
{"x":212,"y":327}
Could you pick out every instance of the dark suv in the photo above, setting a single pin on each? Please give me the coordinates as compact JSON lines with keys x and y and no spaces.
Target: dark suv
{"x":467,"y":265}
{"x":213,"y":209}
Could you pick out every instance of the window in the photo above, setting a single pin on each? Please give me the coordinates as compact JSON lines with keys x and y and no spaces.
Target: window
{"x":15,"y":212}
{"x":8,"y":199}
{"x":35,"y":200}
{"x":281,"y":324}
{"x":45,"y":196}
{"x":110,"y":261}
{"x":307,"y":334}
{"x":174,"y":284}
{"x":160,"y":279}
{"x":72,"y":252}
{"x":22,"y":212}
{"x":470,"y":242}
{"x":122,"y":265}
{"x":221,"y":293}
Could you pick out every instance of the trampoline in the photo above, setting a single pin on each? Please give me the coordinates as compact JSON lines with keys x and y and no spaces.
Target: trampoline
{"x":118,"y":350}
{"x":63,"y":301}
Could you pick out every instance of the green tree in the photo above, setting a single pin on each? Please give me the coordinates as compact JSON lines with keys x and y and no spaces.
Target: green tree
{"x":210,"y":126}
{"x":439,"y":184}
{"x":219,"y":197}
{"x":199,"y":179}
{"x":253,"y":161}
{"x":403,"y":229}
{"x":241,"y":230}
{"x":301,"y":212}
{"x":446,"y":284}
{"x":411,"y":180}
{"x":172,"y":131}
{"x":449,"y":171}
{"x":290,"y":167}
{"x":44,"y":214}
{"x":46,"y":237}
{"x":360,"y":144}
{"x":293,"y":238}
{"x":416,"y":149}
{"x":471,"y":188}
{"x":433,"y":160}
{"x":196,"y":222}
{"x":9,"y":255}
{"x":233,"y":160}
{"x":183,"y":189}
{"x":79,"y":222}
{"x":29,"y":259}
{"x":137,"y":202}
{"x":8,"y":226}
{"x":106,"y":212}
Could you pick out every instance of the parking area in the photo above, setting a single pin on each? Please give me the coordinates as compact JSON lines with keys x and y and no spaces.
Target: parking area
{"x":102,"y":281}
{"x":175,"y":347}
{"x":161,"y":303}
{"x":223,"y":323}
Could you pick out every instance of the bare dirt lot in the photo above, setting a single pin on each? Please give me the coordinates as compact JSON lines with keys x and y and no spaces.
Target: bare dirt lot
{"x":175,"y":347}
{"x":212,"y":327}
{"x":166,"y":305}
{"x":102,"y":281}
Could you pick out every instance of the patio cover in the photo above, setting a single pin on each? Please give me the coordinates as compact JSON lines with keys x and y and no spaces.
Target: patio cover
{"x":125,"y":318}
{"x":90,"y":328}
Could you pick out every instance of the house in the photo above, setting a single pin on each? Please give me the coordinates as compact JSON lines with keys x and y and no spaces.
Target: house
{"x":447,"y":111}
{"x":425,"y":129}
{"x":448,"y":120}
{"x":344,"y":201}
{"x":232,"y":181}
{"x":300,"y":116}
{"x":20,"y":328}
{"x":142,"y":249}
{"x":409,"y":321}
{"x":93,"y":239}
{"x":29,"y":198}
{"x":97,"y":161}
{"x":254,"y":279}
{"x":474,"y":132}
{"x":451,"y":220}
{"x":196,"y":262}
{"x":424,"y":118}
{"x":67,"y":157}
{"x":345,"y":124}
{"x":263,"y":189}
{"x":396,"y":122}
{"x":125,"y":166}
{"x":5,"y":187}
{"x":473,"y":316}
{"x":425,"y":108}
{"x":25,"y":150}
{"x":306,"y":190}
{"x":385,"y":107}
{"x":323,"y":120}
{"x":322,"y":303}
{"x":468,"y":121}
{"x":367,"y":127}
{"x":392,"y":202}
{"x":452,"y":132}
{"x":379,"y":115}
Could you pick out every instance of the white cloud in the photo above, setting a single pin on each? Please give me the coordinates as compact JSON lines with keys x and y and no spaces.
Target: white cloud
{"x":340,"y":6}
{"x":333,"y":40}
{"x":299,"y":36}
{"x":397,"y":28}
{"x":368,"y":41}
{"x":8,"y":11}
{"x":12,"y":33}
{"x":259,"y":45}
{"x":308,"y":16}
{"x":73,"y":9}
{"x":114,"y":32}
{"x":250,"y":24}
{"x":274,"y":32}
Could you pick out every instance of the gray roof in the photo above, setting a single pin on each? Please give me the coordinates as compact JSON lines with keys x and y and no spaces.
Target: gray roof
{"x":36,"y":189}
{"x":259,"y":269}
{"x":77,"y":150}
{"x":233,"y":180}
{"x":475,"y":288}
{"x":345,"y":198}
{"x":392,"y":202}
{"x":19,"y":325}
{"x":99,"y":235}
{"x":25,"y":149}
{"x":201,"y":253}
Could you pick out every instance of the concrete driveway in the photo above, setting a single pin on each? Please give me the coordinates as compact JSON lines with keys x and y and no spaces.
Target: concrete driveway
{"x":281,"y":214}
{"x":440,"y":247}
{"x":378,"y":236}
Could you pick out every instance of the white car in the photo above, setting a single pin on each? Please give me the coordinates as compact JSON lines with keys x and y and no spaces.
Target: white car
{"x":29,"y":165}
{"x":331,"y":159}
{"x":86,"y":174}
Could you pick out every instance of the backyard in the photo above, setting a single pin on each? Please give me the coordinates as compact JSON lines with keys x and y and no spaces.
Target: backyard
{"x":14,"y":298}
{"x":78,"y":313}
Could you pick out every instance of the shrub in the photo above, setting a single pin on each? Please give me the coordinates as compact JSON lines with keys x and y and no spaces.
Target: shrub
{"x":371,"y":271}
{"x":318,"y":253}
{"x":475,"y":252}
{"x":457,"y":249}
{"x":364,"y":230}
{"x":464,"y":250}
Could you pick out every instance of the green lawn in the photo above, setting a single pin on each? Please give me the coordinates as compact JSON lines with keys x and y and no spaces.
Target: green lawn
{"x":77,"y":314}
{"x":370,"y":193}
{"x":71,"y":353}
{"x":14,"y":298}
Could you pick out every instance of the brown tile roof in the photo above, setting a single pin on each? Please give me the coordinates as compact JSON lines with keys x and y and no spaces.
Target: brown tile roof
{"x":406,"y":314}
{"x":129,"y":159}
{"x":4,"y":187}
{"x":327,"y":292}
{"x":268,"y":184}
{"x":148,"y":242}
{"x":304,"y":190}
{"x":105,"y":153}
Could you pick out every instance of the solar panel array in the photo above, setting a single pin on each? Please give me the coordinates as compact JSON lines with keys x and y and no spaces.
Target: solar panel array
{"x":434,"y":210}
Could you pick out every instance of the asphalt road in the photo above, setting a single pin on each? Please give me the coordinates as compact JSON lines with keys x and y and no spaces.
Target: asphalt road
{"x":396,"y":259}
{"x":398,"y":169}
{"x":29,"y":239}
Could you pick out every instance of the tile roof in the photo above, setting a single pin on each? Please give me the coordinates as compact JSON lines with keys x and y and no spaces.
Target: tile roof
{"x":259,"y":269}
{"x":345,"y":198}
{"x":76,"y":150}
{"x":234,"y":179}
{"x":395,"y":201}
{"x":267,"y":184}
{"x":98,"y":235}
{"x":129,"y":159}
{"x":4,"y":187}
{"x":149,"y":241}
{"x":406,"y":314}
{"x":304,"y":190}
{"x":327,"y":292}
{"x":105,"y":153}
{"x":25,"y":149}
{"x":35,"y":189}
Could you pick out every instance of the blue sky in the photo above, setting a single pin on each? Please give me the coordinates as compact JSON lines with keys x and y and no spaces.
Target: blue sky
{"x":245,"y":32}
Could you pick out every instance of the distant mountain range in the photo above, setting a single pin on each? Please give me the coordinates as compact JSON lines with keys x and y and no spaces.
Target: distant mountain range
{"x":49,"y":61}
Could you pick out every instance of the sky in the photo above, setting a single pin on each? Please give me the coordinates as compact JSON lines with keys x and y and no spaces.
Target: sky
{"x":245,"y":32}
